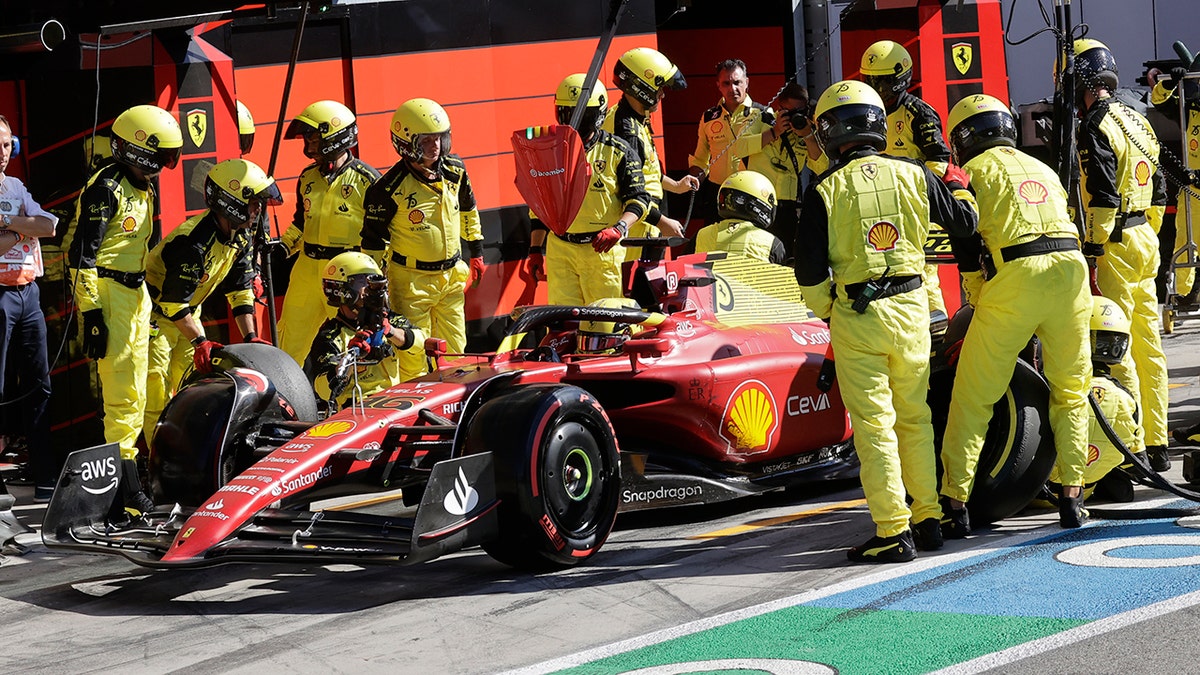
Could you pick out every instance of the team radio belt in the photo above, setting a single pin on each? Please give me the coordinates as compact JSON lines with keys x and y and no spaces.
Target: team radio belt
{"x":426,"y":266}
{"x":1039,"y":246}
{"x":317,"y":252}
{"x":580,"y":238}
{"x":866,"y":292}
{"x":127,"y":279}
{"x":1124,"y":220}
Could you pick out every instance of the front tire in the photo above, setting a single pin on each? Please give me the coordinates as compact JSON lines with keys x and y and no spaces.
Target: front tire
{"x":557,"y":474}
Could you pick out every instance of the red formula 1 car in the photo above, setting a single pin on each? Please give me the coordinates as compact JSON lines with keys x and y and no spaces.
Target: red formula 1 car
{"x":528,"y":451}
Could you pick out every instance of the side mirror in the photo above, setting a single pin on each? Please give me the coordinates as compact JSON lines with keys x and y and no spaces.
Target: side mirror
{"x":435,"y":349}
{"x":645,"y":348}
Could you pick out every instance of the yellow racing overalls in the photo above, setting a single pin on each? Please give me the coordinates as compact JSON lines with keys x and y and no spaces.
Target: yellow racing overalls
{"x":724,"y":141}
{"x":625,"y":123}
{"x":869,"y":216}
{"x":182,"y":271}
{"x":1040,"y":287}
{"x":1118,"y":157}
{"x":424,"y":225}
{"x":376,"y":371}
{"x":575,"y":273}
{"x":328,"y":221}
{"x":741,"y":237}
{"x":1121,"y":411}
{"x":1167,"y":101}
{"x":106,"y":252}
{"x":915,"y":131}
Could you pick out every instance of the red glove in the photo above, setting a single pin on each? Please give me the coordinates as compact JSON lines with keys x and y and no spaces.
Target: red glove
{"x":361,"y":342}
{"x":955,"y":174}
{"x":1093,"y":279}
{"x":607,"y":238}
{"x":535,"y":265}
{"x":202,"y":356}
{"x":477,"y":270}
{"x":253,"y":338}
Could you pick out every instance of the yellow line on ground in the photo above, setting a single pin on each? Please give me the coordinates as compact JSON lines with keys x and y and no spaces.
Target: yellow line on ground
{"x":1177,"y":385}
{"x":779,"y":520}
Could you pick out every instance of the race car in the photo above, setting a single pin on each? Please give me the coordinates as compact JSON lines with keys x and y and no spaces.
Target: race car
{"x":530,"y":451}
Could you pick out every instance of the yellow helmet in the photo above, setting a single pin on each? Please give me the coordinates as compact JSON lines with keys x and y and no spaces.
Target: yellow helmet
{"x":245,"y":128}
{"x":979,"y":122}
{"x":604,"y":336}
{"x":850,"y":112}
{"x":1110,"y":331}
{"x":567,"y":95}
{"x":747,"y":195}
{"x":345,"y":277}
{"x":1095,"y":66}
{"x":333,"y":121}
{"x":147,"y":137}
{"x":642,"y":73}
{"x":887,"y":68}
{"x":415,"y":118}
{"x":232,"y":185}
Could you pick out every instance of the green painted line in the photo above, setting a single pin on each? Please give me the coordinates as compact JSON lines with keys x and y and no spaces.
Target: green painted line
{"x":899,"y":642}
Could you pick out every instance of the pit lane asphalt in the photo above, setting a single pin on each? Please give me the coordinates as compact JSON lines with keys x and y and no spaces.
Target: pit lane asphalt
{"x":71,"y":612}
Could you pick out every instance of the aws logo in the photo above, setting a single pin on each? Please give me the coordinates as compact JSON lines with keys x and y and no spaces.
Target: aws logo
{"x":750,"y":418}
{"x":329,"y":429}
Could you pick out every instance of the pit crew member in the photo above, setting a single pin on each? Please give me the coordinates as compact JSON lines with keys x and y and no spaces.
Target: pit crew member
{"x":867,"y":220}
{"x":584,"y":264}
{"x":1027,"y":231}
{"x":746,"y":204}
{"x":106,"y":257}
{"x":209,"y":253}
{"x":423,"y":211}
{"x":1122,"y":188}
{"x":328,"y":218}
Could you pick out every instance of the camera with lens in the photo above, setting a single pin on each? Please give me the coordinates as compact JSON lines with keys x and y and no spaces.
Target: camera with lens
{"x":796,"y":117}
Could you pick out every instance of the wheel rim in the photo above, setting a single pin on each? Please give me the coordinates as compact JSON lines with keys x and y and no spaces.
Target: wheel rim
{"x":574,"y":475}
{"x":577,"y":474}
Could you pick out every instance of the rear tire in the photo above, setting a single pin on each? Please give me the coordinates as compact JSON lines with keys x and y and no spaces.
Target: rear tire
{"x":1018,"y":449}
{"x":557,"y":474}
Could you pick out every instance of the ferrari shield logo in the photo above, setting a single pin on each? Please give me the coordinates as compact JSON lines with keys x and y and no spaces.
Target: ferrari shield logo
{"x":600,"y":164}
{"x":870,"y":170}
{"x":197,"y":125}
{"x":963,"y":54}
{"x":347,"y":190}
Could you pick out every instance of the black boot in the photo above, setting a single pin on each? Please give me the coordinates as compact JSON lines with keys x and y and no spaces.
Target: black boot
{"x":1071,"y":513}
{"x":956,"y":522}
{"x":135,"y":498}
{"x":927,"y":534}
{"x":1160,"y":461}
{"x":877,"y":549}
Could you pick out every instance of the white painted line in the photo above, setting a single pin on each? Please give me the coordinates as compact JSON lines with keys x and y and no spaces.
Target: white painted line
{"x":920,"y":565}
{"x":1068,"y":637}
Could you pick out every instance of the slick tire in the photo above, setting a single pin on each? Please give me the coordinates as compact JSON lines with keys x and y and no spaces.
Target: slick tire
{"x":283,"y":372}
{"x":1018,"y":449}
{"x":557,"y":474}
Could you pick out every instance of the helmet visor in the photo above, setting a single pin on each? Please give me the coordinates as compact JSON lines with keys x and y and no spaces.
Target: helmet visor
{"x":1109,"y":346}
{"x":599,"y":343}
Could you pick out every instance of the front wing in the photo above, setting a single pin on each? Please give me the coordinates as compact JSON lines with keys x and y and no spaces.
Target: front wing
{"x":457,"y":509}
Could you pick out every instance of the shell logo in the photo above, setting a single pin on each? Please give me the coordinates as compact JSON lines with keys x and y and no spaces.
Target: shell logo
{"x":1142,"y":172}
{"x":716,"y":127}
{"x":750,"y":419}
{"x":336,"y":122}
{"x":883,"y":236}
{"x":129,"y":224}
{"x":1033,"y":192}
{"x":140,"y":135}
{"x":416,"y":216}
{"x":329,"y":429}
{"x":649,"y":74}
{"x":234,"y":185}
{"x":1093,"y":454}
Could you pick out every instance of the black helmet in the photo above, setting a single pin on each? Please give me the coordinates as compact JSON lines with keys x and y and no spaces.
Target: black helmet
{"x":979,"y":122}
{"x":850,"y":112}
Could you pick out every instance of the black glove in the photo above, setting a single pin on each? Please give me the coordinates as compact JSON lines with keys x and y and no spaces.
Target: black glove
{"x":95,"y":334}
{"x":1177,"y":74}
{"x":1194,"y":177}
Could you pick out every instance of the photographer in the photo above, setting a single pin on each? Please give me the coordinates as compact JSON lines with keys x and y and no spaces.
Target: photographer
{"x":362,"y":328}
{"x":786,"y":149}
